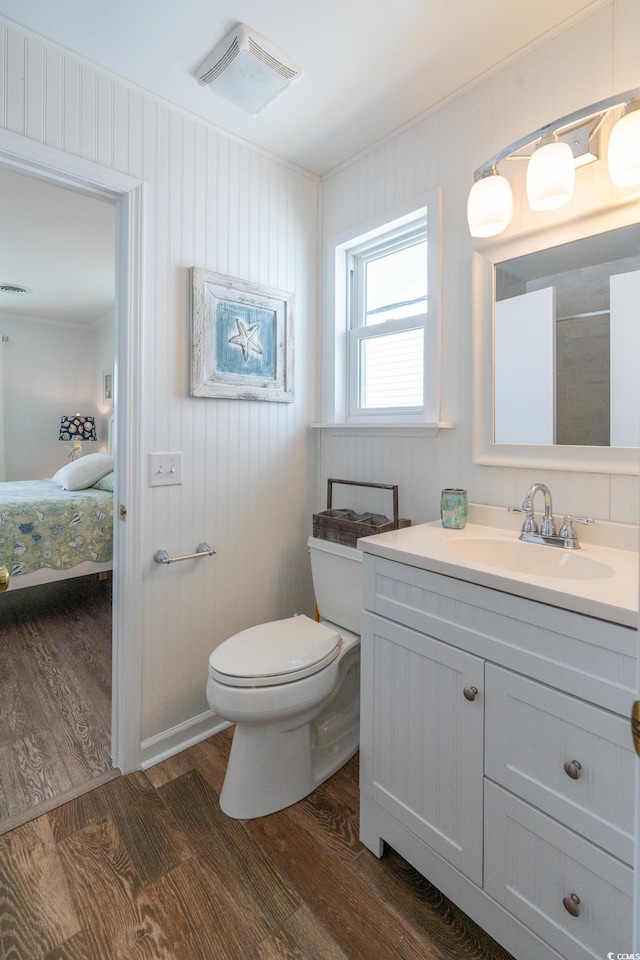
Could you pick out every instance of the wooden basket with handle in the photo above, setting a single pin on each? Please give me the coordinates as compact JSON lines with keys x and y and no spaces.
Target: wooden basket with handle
{"x":346,"y":526}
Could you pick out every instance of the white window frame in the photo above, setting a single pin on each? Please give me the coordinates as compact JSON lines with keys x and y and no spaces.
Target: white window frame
{"x":357,"y":259}
{"x":337,"y":357}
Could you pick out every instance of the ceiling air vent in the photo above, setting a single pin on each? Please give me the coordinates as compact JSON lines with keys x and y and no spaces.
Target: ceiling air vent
{"x":288,"y":72}
{"x":248,"y":70}
{"x":12,"y":288}
{"x":221,"y":65}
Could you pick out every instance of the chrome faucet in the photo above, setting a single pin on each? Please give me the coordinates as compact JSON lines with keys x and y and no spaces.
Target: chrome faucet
{"x":548,"y":528}
{"x":546,"y":533}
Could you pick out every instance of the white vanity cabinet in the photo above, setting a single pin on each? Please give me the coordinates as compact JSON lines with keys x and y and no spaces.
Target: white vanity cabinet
{"x":496,"y":757}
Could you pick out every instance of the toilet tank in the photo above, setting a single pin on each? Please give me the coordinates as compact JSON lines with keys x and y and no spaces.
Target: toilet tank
{"x":337,"y":582}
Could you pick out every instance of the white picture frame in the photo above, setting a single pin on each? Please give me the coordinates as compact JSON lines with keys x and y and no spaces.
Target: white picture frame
{"x":241,"y":339}
{"x":107,"y":386}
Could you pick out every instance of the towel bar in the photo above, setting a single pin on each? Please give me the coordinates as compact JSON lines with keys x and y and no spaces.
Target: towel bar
{"x":202,"y":550}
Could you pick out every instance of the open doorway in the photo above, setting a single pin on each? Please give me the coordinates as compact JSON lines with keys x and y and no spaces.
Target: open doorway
{"x":23,"y":155}
{"x":57,"y":364}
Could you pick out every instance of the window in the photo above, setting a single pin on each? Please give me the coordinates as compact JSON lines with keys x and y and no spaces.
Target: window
{"x":384,"y":348}
{"x":387,"y":309}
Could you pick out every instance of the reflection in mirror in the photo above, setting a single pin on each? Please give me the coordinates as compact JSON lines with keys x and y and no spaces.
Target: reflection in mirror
{"x":567,"y":343}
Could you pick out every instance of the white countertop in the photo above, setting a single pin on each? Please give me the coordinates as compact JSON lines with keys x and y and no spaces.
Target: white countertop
{"x":613,"y":598}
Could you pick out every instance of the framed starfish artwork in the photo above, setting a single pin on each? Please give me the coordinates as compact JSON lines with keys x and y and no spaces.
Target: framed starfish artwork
{"x":241,"y":339}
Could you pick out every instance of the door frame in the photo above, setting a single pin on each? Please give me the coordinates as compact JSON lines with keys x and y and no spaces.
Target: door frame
{"x":127,"y":194}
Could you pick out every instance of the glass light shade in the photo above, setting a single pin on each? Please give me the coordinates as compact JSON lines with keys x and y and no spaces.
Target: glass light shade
{"x":551,"y":176}
{"x":490,"y":206}
{"x":624,"y":150}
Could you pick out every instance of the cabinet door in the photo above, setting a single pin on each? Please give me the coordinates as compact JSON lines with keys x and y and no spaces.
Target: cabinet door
{"x":422,"y":738}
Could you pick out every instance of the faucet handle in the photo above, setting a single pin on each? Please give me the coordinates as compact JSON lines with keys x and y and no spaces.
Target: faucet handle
{"x":529,"y":525}
{"x":569,"y":520}
{"x":566,"y":530}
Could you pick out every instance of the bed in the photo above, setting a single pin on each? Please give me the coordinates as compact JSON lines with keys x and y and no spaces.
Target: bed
{"x":48,"y":533}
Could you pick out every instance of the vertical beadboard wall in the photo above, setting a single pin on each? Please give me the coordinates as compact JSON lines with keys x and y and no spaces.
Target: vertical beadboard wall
{"x":249,"y":468}
{"x":592,"y":60}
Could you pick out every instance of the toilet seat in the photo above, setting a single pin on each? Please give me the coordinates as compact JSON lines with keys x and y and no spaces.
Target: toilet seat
{"x":273,"y":653}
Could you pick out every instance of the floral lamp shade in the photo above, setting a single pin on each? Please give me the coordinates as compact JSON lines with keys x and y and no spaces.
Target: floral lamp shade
{"x":74,"y":429}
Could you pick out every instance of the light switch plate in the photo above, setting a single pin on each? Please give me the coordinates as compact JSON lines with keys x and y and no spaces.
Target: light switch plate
{"x":165,"y":469}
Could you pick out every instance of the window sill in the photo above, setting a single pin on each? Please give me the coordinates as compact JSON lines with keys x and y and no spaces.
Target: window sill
{"x":384,"y":428}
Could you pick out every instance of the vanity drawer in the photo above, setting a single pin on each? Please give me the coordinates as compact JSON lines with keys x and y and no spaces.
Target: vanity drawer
{"x":533,"y":866}
{"x":533,"y":731}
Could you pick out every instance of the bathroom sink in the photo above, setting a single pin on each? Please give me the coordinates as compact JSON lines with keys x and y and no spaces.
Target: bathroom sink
{"x":598,"y":580}
{"x":528,"y":558}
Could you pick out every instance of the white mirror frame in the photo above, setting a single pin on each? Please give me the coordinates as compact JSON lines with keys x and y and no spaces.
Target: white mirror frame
{"x":620,"y":460}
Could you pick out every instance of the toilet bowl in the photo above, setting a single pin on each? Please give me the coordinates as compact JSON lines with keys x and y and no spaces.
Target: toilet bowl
{"x":292,"y":688}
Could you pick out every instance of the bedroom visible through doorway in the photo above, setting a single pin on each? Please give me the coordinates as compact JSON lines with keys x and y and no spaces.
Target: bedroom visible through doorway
{"x":56,"y":618}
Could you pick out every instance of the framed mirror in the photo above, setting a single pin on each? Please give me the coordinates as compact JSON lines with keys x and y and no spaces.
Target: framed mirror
{"x":557,"y":346}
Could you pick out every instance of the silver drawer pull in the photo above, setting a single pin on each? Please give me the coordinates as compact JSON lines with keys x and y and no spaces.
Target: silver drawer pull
{"x":572,"y":904}
{"x":470,"y":692}
{"x":573,"y":769}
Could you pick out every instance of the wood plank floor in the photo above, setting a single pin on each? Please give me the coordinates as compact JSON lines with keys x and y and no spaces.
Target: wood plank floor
{"x":148,"y":867}
{"x":55,"y":690}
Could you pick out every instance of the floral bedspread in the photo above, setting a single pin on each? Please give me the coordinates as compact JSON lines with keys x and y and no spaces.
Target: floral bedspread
{"x":42,"y":525}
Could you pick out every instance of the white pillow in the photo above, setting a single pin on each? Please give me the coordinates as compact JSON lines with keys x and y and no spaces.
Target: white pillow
{"x":84,"y":472}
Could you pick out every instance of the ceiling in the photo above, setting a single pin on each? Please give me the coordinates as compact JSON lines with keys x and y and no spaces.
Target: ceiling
{"x":369,"y":66}
{"x":61,"y":246}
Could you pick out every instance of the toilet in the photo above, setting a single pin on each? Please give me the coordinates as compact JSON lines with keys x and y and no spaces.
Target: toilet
{"x":292,"y":688}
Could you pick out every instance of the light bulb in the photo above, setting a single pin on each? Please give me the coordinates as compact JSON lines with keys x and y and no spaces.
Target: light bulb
{"x":490,"y":205}
{"x":624,"y":148}
{"x":551,"y":176}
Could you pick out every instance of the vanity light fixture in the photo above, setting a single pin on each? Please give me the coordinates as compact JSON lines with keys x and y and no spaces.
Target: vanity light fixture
{"x":553,"y":152}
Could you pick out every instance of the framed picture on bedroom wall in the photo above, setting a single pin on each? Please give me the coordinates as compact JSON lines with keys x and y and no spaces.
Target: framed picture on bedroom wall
{"x":107,"y":386}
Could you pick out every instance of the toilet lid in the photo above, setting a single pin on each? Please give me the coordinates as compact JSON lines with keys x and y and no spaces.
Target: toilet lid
{"x":277,"y":652}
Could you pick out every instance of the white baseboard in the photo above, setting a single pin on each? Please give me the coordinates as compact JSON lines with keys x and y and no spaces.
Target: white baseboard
{"x":166,"y":744}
